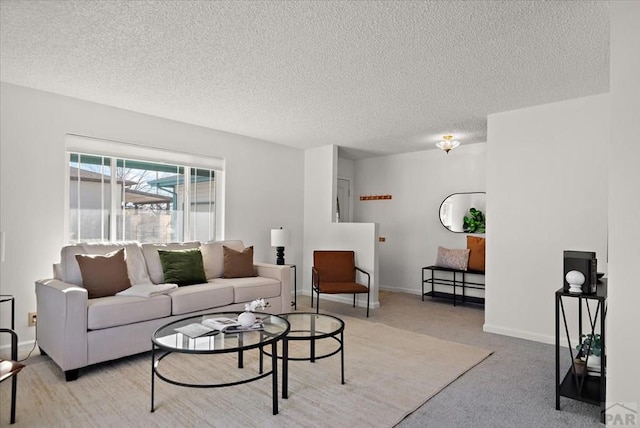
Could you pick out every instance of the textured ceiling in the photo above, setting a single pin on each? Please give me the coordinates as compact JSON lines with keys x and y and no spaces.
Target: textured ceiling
{"x":374,"y":77}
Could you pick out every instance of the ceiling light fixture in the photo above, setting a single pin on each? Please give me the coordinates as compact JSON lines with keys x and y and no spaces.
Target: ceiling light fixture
{"x":447,"y":143}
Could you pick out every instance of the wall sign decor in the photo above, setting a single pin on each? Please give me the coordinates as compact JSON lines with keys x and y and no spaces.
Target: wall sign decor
{"x":374,"y":197}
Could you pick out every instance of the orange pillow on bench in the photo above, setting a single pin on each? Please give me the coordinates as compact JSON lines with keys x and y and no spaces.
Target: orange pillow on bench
{"x":476,"y":246}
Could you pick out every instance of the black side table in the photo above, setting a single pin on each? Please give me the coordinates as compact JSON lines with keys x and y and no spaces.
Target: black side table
{"x":9,"y":298}
{"x":295,"y":287}
{"x":582,"y":387}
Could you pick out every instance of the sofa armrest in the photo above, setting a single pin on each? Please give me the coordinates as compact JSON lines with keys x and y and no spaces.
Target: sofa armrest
{"x":62,"y":322}
{"x":281,"y":273}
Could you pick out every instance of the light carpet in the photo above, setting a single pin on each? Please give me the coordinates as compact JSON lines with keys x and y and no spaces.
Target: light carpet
{"x":389,"y":373}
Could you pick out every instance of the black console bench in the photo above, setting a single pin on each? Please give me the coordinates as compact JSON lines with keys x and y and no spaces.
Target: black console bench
{"x":458,"y":280}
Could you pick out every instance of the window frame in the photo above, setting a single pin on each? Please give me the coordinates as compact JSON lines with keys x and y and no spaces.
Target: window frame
{"x":115,"y":150}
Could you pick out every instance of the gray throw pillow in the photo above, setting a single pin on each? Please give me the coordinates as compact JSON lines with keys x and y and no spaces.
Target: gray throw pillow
{"x":453,"y":259}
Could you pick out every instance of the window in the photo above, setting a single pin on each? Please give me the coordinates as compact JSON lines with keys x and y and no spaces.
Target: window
{"x":116,"y":199}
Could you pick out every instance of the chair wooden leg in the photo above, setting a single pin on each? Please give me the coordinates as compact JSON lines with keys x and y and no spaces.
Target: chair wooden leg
{"x":354,"y":300}
{"x":367,"y":304}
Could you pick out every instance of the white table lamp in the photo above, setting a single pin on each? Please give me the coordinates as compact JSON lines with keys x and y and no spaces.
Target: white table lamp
{"x":279,"y":239}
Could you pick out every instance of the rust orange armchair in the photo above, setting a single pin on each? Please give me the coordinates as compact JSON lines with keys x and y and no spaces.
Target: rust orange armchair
{"x":334,"y":272}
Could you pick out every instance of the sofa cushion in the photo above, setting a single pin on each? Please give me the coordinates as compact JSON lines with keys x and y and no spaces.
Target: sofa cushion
{"x":251,"y":288}
{"x":150,"y":252}
{"x":105,"y":312}
{"x":103,"y":275}
{"x":182,"y":267}
{"x":213,"y":256}
{"x":136,"y":267}
{"x":238,"y":264}
{"x":199,"y":297}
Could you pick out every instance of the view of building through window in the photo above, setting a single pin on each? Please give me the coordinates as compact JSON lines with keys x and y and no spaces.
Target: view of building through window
{"x":113,"y":199}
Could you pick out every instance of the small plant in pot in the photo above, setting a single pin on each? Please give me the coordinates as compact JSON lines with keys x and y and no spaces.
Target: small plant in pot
{"x":591,"y":346}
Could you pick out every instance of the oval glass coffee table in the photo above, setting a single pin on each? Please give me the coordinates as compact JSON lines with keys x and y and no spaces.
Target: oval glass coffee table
{"x":168,"y":340}
{"x":311,"y":327}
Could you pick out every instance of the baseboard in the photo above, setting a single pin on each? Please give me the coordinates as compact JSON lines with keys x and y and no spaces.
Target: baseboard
{"x":535,"y":337}
{"x":400,"y":290}
{"x":342,"y":298}
{"x":24,"y":347}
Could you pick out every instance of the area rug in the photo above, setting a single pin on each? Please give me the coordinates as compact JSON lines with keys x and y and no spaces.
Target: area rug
{"x":389,"y":373}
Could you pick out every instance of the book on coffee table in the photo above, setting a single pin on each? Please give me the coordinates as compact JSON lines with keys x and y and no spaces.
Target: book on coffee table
{"x":196,"y":330}
{"x":230,"y":325}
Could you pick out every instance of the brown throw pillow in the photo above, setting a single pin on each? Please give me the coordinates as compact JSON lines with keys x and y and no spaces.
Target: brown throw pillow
{"x":476,"y":246}
{"x":104,"y":275}
{"x":238,"y":264}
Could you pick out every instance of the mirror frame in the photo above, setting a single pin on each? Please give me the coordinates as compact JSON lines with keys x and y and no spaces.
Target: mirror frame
{"x":466,"y":210}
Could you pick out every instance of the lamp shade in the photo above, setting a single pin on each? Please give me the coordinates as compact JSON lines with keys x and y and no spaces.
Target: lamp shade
{"x":279,"y":237}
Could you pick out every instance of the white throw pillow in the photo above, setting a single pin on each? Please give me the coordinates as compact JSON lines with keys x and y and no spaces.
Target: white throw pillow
{"x":453,"y":259}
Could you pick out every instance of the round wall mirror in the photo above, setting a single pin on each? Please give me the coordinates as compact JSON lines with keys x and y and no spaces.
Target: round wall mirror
{"x":464,"y":212}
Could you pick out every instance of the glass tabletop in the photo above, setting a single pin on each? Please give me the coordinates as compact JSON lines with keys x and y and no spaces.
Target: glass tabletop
{"x":168,"y":337}
{"x":308,"y":325}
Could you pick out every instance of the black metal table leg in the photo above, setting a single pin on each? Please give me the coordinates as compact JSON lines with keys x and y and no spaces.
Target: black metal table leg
{"x":285,"y":368}
{"x":557,"y":353}
{"x":603,"y":379}
{"x":454,"y":289}
{"x":261,"y":368}
{"x":432,"y":286}
{"x":342,"y":355}
{"x":312,"y":342}
{"x":153,"y":377}
{"x":274,"y":376}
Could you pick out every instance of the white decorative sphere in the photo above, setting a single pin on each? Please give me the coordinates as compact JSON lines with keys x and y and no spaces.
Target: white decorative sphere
{"x":575,"y":277}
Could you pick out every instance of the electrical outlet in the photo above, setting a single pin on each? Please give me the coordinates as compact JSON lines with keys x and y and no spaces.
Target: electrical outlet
{"x":32,"y":319}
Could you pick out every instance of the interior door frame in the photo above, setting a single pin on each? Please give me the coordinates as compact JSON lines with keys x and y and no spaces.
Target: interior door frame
{"x":349,"y":200}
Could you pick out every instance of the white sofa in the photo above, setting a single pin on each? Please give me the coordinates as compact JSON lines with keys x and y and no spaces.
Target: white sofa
{"x":76,"y":331}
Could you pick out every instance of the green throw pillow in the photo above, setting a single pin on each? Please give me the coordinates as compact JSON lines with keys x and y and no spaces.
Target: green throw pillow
{"x":182,"y":267}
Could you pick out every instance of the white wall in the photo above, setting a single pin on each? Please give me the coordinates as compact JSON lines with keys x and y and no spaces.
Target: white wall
{"x":264,"y":182}
{"x":546,"y":192}
{"x":623,"y":346}
{"x":410,"y":222}
{"x":322,"y":233}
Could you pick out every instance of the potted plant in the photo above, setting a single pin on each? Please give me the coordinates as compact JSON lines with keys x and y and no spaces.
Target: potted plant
{"x":474,"y":222}
{"x":579,"y":367}
{"x":590,"y":349}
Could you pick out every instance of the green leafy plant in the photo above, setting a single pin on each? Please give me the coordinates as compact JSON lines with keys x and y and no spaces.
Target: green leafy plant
{"x":474,"y":222}
{"x":591,"y":344}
